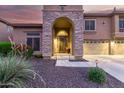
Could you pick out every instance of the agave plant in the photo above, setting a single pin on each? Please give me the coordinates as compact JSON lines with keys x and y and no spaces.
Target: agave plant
{"x":15,"y":71}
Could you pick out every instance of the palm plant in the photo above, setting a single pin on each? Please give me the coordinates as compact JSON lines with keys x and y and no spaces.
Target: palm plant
{"x":15,"y":71}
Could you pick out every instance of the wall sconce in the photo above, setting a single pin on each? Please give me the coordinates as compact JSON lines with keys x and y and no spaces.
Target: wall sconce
{"x":62,"y":7}
{"x":103,"y":22}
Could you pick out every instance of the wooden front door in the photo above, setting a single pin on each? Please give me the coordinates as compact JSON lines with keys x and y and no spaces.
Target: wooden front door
{"x":62,"y":44}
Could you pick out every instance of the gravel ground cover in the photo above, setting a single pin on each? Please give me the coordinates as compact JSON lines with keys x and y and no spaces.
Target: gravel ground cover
{"x":66,"y":77}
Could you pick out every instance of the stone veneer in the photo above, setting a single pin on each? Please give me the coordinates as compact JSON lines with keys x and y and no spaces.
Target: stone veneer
{"x":48,"y":19}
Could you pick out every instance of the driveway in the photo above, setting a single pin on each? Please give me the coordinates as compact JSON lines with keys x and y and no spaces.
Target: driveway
{"x":112,"y":64}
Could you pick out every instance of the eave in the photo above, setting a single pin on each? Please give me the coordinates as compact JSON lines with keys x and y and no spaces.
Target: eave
{"x":26,"y":24}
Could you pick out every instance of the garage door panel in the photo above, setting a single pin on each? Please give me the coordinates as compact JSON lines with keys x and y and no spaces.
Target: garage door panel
{"x":96,"y":48}
{"x":118,"y":49}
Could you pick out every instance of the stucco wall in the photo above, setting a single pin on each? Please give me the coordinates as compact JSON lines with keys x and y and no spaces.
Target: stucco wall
{"x":20,"y":36}
{"x":4,"y":32}
{"x":117,"y":28}
{"x":103,"y":29}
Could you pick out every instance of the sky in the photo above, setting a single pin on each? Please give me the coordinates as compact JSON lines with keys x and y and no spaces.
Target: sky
{"x":33,"y":14}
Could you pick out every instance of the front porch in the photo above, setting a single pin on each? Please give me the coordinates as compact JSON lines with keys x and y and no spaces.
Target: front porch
{"x":62,"y":56}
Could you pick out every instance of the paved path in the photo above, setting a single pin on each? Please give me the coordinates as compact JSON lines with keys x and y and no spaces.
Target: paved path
{"x":66,"y":63}
{"x":114,"y":65}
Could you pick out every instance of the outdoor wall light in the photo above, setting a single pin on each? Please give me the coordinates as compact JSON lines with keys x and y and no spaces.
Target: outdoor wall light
{"x":62,"y":7}
{"x":103,"y":23}
{"x":62,"y":33}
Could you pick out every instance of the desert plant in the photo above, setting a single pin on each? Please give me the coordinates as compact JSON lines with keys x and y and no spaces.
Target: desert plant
{"x":14,"y":71}
{"x":5,"y":48}
{"x":22,"y":50}
{"x":97,"y":75}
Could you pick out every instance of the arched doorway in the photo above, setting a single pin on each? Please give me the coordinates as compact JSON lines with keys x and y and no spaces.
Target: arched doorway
{"x":62,"y":36}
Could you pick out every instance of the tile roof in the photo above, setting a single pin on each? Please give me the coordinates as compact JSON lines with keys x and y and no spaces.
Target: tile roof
{"x":20,"y":20}
{"x":104,"y":12}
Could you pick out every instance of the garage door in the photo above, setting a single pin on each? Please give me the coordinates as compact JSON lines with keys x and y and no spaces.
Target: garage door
{"x":118,"y":47}
{"x":96,"y":47}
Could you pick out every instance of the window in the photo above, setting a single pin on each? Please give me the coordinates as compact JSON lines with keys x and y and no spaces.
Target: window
{"x":33,"y":40}
{"x":90,"y":25}
{"x":121,"y":24}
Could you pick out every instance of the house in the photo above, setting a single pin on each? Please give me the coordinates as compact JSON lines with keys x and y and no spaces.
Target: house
{"x":68,"y":29}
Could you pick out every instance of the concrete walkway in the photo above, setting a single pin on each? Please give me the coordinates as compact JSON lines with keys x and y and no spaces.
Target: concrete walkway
{"x":66,"y":63}
{"x":114,"y":65}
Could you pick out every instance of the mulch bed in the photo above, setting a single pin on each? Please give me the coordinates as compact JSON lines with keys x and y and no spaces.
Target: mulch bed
{"x":66,"y":77}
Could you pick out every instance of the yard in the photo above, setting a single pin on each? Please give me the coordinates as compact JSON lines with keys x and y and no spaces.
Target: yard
{"x":66,"y":77}
{"x":15,"y":71}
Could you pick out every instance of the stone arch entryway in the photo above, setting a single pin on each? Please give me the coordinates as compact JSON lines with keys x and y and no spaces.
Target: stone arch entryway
{"x":62,"y":36}
{"x":72,"y":17}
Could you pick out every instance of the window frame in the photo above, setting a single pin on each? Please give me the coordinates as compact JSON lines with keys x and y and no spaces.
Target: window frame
{"x":90,"y":20}
{"x":31,"y":36}
{"x":119,"y":23}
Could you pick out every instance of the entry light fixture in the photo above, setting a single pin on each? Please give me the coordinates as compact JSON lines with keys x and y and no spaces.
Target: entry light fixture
{"x":62,"y":33}
{"x":62,"y":7}
{"x":103,"y":22}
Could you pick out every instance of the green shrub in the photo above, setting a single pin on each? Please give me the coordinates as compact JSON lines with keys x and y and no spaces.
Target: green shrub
{"x":38,"y":55}
{"x":29,"y":53}
{"x":97,"y":75}
{"x":5,"y":48}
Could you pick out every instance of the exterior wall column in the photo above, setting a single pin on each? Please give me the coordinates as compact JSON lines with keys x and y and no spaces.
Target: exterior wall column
{"x":78,"y":41}
{"x":116,"y":23}
{"x":46,"y":38}
{"x":115,"y":31}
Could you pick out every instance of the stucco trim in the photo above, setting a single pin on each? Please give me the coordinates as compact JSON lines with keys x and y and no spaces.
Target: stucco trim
{"x":63,"y":10}
{"x":5,"y":21}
